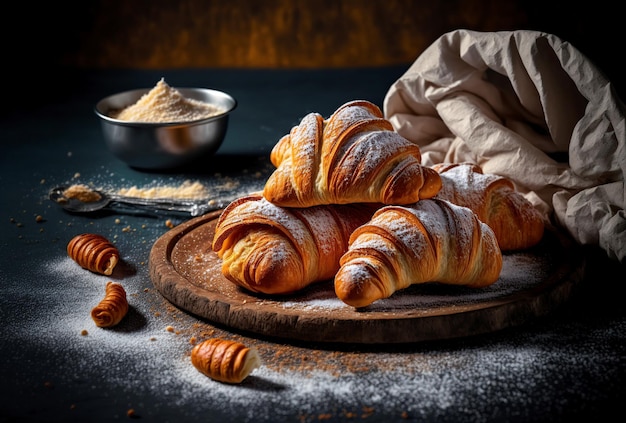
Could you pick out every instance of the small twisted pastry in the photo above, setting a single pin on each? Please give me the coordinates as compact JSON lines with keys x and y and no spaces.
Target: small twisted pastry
{"x":113,"y":307}
{"x":354,"y":156}
{"x":430,"y":241}
{"x":225,"y":360}
{"x":93,"y":252}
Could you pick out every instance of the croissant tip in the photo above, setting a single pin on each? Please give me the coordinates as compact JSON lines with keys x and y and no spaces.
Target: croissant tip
{"x":355,"y":287}
{"x":111,"y":266}
{"x":432,"y":183}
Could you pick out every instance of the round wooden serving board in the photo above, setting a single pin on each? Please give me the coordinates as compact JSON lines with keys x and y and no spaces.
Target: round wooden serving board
{"x":188,"y":273}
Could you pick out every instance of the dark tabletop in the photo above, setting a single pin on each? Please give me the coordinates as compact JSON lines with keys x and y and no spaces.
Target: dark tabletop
{"x":569,"y":363}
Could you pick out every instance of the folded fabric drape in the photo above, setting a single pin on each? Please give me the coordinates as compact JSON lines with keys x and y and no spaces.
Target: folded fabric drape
{"x":529,"y":106}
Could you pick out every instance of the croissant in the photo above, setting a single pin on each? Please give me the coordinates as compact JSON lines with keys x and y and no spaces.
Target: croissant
{"x":354,"y":156}
{"x":113,"y":307}
{"x":276,"y":250}
{"x":430,"y":241}
{"x":93,"y":252}
{"x":515,"y":221}
{"x":225,"y":360}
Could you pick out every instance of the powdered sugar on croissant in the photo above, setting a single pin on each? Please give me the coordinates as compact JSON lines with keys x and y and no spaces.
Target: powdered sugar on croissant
{"x":429,"y":241}
{"x":516,"y":223}
{"x":354,"y":156}
{"x":274,"y":250}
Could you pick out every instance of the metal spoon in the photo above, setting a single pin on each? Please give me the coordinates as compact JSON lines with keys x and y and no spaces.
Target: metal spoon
{"x":108,"y":199}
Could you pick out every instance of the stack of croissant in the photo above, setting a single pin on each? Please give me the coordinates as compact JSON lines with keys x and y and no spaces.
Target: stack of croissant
{"x":350,"y":201}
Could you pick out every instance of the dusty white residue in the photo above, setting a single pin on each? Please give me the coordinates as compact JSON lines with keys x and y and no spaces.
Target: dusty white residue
{"x":548,"y":369}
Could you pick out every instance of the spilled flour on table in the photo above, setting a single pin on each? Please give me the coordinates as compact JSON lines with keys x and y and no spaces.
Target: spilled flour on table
{"x":520,"y":272}
{"x":148,"y":355}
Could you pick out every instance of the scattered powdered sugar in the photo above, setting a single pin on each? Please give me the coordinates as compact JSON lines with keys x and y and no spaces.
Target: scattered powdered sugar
{"x":520,"y":272}
{"x":142,"y":357}
{"x":383,"y":244}
{"x":320,"y":295}
{"x":545,"y":370}
{"x":368,"y":149}
{"x":273,"y":213}
{"x":393,"y":218}
{"x":465,"y":184}
{"x":322,"y":228}
{"x":148,"y":364}
{"x":316,"y":304}
{"x":308,"y":136}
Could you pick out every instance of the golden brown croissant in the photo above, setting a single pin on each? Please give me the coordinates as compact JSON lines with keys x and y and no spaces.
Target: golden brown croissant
{"x":225,"y":360}
{"x":113,"y":307}
{"x":429,"y":241}
{"x":354,"y":156}
{"x":93,"y":252}
{"x":515,"y":221}
{"x":276,"y":250}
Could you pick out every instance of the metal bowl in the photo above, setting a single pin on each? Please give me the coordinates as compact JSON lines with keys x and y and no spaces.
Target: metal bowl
{"x":164,"y":145}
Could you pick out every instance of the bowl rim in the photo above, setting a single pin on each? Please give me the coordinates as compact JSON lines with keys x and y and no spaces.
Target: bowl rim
{"x":102,"y":114}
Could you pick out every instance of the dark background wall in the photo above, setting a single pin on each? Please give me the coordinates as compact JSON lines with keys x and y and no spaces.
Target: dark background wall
{"x":282,"y":33}
{"x":272,"y":33}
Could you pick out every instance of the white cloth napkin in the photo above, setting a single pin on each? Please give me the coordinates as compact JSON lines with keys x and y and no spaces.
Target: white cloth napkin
{"x":528,"y":106}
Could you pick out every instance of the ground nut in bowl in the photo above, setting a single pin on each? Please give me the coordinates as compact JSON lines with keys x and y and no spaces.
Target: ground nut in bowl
{"x":164,"y":127}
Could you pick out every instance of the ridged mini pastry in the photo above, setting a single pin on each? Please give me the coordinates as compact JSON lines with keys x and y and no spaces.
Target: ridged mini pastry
{"x":113,"y":307}
{"x":515,"y":221}
{"x":429,"y":241}
{"x":225,"y":360}
{"x":93,"y":252}
{"x":354,"y":156}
